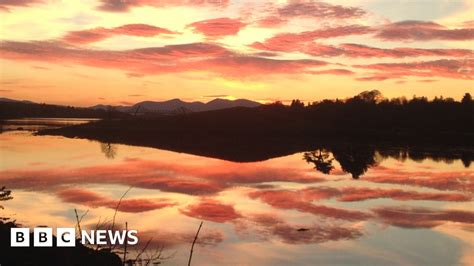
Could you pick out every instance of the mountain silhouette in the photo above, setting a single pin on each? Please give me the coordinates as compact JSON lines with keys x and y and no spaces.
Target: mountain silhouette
{"x":177,"y":104}
{"x":8,"y":100}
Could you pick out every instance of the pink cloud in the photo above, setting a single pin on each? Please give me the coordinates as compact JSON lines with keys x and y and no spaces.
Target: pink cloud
{"x":87,"y":36}
{"x":217,"y":27}
{"x":98,"y":34}
{"x":452,"y":180}
{"x":285,"y":199}
{"x":340,"y":72}
{"x":271,"y":22}
{"x":178,"y":178}
{"x":159,"y":60}
{"x":357,"y":50}
{"x":91,"y":199}
{"x":211,"y":210}
{"x":288,"y":42}
{"x":126,"y":5}
{"x":413,"y":217}
{"x":319,"y":9}
{"x":6,"y":5}
{"x":352,"y":50}
{"x":449,"y":68}
{"x":358,"y":194}
{"x":423,"y":31}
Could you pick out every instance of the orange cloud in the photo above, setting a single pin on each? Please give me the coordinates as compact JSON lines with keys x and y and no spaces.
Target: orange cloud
{"x":358,"y":194}
{"x":192,"y":180}
{"x":217,"y":27}
{"x":356,"y":50}
{"x":341,"y":72}
{"x":6,"y":5}
{"x":449,"y":68}
{"x":98,"y":34}
{"x":271,"y":22}
{"x":289,"y":42}
{"x":126,"y":5}
{"x":211,"y":210}
{"x":453,"y":180}
{"x":413,"y":217}
{"x":319,"y":9}
{"x":159,"y":60}
{"x":284,"y":199}
{"x":422,"y":31}
{"x":91,"y":199}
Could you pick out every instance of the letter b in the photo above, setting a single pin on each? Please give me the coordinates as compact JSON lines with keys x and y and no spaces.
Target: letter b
{"x":43,"y":237}
{"x":20,"y":237}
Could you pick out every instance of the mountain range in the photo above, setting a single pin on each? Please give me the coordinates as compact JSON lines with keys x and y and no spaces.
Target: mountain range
{"x":8,"y":100}
{"x":170,"y":106}
{"x":177,"y":105}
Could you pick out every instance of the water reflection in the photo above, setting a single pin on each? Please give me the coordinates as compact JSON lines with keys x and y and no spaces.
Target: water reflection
{"x":34,"y":124}
{"x":357,"y":159}
{"x":274,"y":212}
{"x":109,"y":150}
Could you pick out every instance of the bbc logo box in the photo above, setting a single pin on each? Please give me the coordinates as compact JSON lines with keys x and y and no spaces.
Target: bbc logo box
{"x":42,"y":237}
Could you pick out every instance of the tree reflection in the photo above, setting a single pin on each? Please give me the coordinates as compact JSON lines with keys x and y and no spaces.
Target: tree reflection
{"x":109,"y":150}
{"x":321,"y":160}
{"x":466,"y":159}
{"x":355,"y":160}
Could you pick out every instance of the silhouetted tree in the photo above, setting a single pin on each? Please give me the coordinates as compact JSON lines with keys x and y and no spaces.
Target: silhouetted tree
{"x":373,"y":96}
{"x":467,"y":98}
{"x":297,"y":104}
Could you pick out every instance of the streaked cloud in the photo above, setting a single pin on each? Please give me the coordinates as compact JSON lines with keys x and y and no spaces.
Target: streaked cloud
{"x":417,"y":217}
{"x":211,"y":210}
{"x":99,"y":34}
{"x":319,"y":9}
{"x":159,"y":60}
{"x":92,"y":199}
{"x":6,"y":5}
{"x":123,"y":6}
{"x":423,"y":31}
{"x":217,"y":27}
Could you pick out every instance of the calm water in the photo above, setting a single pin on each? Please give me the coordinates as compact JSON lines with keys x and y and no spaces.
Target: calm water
{"x":275,"y":212}
{"x":33,"y":124}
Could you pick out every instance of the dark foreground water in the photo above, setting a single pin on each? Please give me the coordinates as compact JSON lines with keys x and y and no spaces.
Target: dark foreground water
{"x":282,"y":211}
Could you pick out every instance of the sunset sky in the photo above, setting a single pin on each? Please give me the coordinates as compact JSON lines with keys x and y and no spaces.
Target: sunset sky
{"x":87,"y":52}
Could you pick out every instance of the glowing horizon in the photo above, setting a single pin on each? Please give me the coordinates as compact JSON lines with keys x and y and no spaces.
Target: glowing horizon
{"x":122,"y":52}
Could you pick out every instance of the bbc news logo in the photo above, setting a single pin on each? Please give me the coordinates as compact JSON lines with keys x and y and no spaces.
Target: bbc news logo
{"x":66,"y":237}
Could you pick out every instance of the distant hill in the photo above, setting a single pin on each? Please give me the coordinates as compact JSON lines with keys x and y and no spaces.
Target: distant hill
{"x":175,"y":105}
{"x":11,"y":108}
{"x":20,"y":109}
{"x":8,"y":100}
{"x":120,"y":108}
